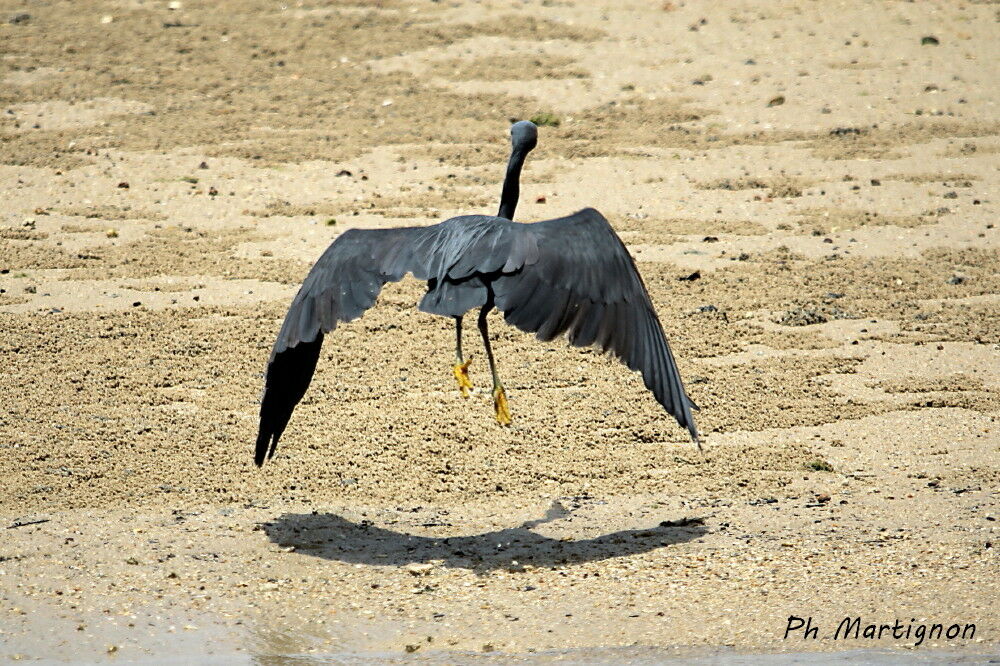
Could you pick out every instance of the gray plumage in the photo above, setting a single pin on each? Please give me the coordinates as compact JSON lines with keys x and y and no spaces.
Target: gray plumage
{"x":569,"y":275}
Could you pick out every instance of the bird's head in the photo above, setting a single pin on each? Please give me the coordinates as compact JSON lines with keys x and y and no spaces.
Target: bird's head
{"x":523,"y":136}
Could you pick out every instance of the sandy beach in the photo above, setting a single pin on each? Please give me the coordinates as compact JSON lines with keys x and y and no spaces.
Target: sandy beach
{"x":810,"y":191}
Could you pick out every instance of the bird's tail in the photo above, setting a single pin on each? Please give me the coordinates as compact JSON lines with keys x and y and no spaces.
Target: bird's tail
{"x":288,"y":377}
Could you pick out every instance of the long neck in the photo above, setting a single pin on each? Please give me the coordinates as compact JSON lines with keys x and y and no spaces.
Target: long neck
{"x":511,"y":184}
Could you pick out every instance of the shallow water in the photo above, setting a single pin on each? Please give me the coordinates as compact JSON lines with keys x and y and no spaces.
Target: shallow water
{"x":587,"y":656}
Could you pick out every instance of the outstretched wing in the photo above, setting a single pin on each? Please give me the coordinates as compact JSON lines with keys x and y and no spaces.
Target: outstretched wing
{"x":347,"y":279}
{"x":585,"y":283}
{"x":571,"y":274}
{"x":340,"y":287}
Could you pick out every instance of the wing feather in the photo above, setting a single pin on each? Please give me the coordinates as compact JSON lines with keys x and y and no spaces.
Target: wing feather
{"x":585,"y":332}
{"x":583,"y":281}
{"x":343,"y":284}
{"x":570,"y":275}
{"x":348,"y":277}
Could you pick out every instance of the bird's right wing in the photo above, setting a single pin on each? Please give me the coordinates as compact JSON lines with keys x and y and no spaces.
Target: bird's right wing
{"x":583,"y":281}
{"x":343,"y":284}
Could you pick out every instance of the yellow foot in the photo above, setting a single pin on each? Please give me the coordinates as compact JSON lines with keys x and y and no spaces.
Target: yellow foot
{"x":500,"y":404}
{"x":461,"y":371}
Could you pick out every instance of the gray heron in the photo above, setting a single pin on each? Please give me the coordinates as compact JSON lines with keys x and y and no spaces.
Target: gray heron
{"x":569,"y":275}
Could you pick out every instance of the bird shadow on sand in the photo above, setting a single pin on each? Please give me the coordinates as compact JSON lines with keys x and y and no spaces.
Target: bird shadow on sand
{"x":333,"y":537}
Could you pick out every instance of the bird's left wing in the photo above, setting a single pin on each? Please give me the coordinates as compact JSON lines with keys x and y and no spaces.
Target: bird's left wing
{"x":581,"y":280}
{"x":343,"y":284}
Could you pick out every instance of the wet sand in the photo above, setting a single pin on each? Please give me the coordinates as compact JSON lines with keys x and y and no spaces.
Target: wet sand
{"x":169,"y":175}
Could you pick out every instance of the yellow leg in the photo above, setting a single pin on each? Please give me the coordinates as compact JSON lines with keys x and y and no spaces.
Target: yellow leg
{"x":501,"y":406}
{"x":461,"y":371}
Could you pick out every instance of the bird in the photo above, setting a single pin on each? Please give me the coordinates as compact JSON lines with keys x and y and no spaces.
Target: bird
{"x":569,"y":275}
{"x":523,"y":139}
